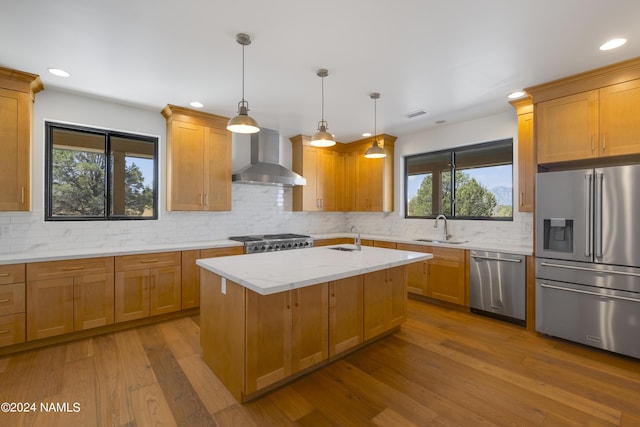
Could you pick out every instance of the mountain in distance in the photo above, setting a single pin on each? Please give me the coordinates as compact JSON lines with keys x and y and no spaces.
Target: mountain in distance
{"x":504,"y":195}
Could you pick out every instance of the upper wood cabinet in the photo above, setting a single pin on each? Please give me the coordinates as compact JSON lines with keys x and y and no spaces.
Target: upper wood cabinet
{"x":198,"y":161}
{"x":319,"y":166}
{"x":17,"y":91}
{"x":589,"y":115}
{"x":526,"y":154}
{"x":340,"y":178}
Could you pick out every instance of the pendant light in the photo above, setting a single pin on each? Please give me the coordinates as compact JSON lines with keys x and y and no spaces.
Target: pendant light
{"x":243,"y":123}
{"x":322,"y":138}
{"x":375,"y":151}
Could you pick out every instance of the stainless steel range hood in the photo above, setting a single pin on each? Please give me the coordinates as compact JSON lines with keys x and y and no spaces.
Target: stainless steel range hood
{"x":264,"y":168}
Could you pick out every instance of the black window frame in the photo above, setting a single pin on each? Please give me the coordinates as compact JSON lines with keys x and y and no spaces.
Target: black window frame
{"x":108,"y":134}
{"x":452,"y":169}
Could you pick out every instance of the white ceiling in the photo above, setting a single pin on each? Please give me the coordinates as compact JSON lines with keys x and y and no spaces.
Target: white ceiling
{"x":455,"y":59}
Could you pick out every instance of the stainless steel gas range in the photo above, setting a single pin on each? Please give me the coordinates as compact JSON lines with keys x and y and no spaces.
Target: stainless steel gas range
{"x":273,"y":242}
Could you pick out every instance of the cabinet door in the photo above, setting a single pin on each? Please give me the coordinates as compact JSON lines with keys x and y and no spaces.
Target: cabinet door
{"x":93,"y":301}
{"x":310,"y":335}
{"x":375,"y":303}
{"x":190,"y":279}
{"x":185,"y":167}
{"x":327,"y":179}
{"x":310,"y":197}
{"x":346,"y":327}
{"x":526,"y":163}
{"x":131,"y":295}
{"x":165,"y":290}
{"x":567,"y":128}
{"x":268,"y":335}
{"x":15,"y":161}
{"x":416,"y":272}
{"x":397,"y":288}
{"x":217,"y":170}
{"x":619,"y":123}
{"x":447,"y":279}
{"x":49,"y":307}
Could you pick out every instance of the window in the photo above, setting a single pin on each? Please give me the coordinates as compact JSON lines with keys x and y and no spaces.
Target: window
{"x":97,"y":174}
{"x":474,"y":182}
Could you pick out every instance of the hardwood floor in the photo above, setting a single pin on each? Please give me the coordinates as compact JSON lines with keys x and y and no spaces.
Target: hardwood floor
{"x":444,"y":368}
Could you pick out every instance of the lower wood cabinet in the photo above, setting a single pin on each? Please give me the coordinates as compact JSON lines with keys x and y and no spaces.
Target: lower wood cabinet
{"x":346,"y":321}
{"x":67,"y":296}
{"x":12,"y":304}
{"x":147,"y":285}
{"x":385,"y":300}
{"x":191,"y":272}
{"x":286,"y":333}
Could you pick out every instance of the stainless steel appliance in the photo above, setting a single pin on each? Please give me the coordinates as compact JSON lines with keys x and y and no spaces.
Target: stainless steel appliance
{"x":588,"y":257}
{"x":498,"y":285}
{"x":273,"y":242}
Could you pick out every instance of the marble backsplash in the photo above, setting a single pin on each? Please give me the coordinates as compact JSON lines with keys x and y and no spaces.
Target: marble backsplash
{"x":255,"y":210}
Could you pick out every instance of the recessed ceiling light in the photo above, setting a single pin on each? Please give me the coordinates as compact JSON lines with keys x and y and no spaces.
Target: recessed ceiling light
{"x":416,"y":113}
{"x":58,"y":72}
{"x":196,"y":104}
{"x":612,"y":44}
{"x":517,"y":94}
{"x":366,"y":134}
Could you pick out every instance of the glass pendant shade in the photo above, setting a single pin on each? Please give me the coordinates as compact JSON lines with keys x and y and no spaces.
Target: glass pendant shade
{"x":243,"y":123}
{"x":375,"y":151}
{"x":322,"y":138}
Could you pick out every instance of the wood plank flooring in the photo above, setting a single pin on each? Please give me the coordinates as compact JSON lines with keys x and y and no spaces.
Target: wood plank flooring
{"x":444,"y":368}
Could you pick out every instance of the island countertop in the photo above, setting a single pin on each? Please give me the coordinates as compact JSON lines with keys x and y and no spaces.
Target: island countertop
{"x":272,"y":272}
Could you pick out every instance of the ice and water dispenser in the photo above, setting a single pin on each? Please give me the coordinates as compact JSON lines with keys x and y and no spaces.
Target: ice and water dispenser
{"x":558,"y":234}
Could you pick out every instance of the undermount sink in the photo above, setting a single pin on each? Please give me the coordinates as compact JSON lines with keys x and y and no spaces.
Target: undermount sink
{"x":342,"y":248}
{"x":448,"y":242}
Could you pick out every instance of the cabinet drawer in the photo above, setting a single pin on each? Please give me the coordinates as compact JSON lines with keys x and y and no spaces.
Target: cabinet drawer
{"x":217,"y":252}
{"x":12,"y":329}
{"x":152,"y":260}
{"x":68,"y":268}
{"x":12,"y":299}
{"x":12,"y":273}
{"x":448,"y":254}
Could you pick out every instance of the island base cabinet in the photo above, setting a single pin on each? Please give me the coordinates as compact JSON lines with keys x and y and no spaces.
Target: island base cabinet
{"x":385,"y":300}
{"x":346,"y":324}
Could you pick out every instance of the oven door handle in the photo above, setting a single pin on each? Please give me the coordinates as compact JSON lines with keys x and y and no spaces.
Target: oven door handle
{"x":578,"y":291}
{"x":594,"y":270}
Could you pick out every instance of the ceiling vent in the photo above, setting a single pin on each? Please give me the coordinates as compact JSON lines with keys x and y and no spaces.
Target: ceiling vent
{"x":416,"y":113}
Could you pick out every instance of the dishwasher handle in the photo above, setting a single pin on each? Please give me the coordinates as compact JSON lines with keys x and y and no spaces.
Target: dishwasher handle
{"x":490,"y":258}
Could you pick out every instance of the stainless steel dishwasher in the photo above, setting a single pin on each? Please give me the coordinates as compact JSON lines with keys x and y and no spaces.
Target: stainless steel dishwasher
{"x":498,"y":285}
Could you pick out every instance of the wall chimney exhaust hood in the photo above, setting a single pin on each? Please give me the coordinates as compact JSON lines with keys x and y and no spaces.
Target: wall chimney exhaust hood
{"x":264,"y":168}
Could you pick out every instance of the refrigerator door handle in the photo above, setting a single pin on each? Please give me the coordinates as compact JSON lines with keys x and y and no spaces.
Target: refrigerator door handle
{"x":594,"y":270}
{"x":598,"y":214}
{"x":578,"y":291}
{"x":587,"y":215}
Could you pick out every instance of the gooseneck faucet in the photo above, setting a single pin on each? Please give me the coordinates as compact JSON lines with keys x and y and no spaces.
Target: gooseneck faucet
{"x":357,"y":242}
{"x":445,"y":233}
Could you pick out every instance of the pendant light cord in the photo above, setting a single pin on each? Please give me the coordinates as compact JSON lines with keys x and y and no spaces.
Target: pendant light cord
{"x":323,"y":99}
{"x":243,"y":73}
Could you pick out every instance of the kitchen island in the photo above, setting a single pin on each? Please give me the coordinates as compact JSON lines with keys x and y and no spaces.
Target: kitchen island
{"x":268,"y":318}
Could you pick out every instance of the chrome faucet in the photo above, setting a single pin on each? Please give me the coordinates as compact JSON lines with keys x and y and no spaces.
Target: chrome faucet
{"x":357,"y":242}
{"x":445,"y":233}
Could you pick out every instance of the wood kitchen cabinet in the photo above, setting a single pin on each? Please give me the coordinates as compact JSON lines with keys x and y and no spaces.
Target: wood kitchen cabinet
{"x":346,"y":321}
{"x":589,"y":115}
{"x":374,"y":177}
{"x":67,"y":296}
{"x":447,"y":275}
{"x":527,"y":167}
{"x":417,"y":273}
{"x":385,"y":300}
{"x":287,"y":332}
{"x":319,"y":166}
{"x":17,"y":92}
{"x":12,"y":304}
{"x":191,"y":272}
{"x":147,"y":285}
{"x":198,"y":161}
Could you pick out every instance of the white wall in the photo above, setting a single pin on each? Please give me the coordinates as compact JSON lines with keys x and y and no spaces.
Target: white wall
{"x":255,"y":209}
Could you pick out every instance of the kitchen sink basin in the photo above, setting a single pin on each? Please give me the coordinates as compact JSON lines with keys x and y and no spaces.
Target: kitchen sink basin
{"x":448,"y":242}
{"x":342,"y":248}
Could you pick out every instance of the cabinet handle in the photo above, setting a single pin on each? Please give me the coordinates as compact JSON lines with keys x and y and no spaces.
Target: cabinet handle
{"x":521,"y":198}
{"x":4,"y":331}
{"x":4,"y":300}
{"x":80,"y":267}
{"x":148,"y":261}
{"x":206,"y":199}
{"x":200,"y":196}
{"x":22,"y":195}
{"x":4,"y":274}
{"x":604,"y":141}
{"x":593,"y":147}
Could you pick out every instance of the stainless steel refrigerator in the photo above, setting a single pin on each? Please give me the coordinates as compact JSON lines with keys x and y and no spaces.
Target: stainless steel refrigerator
{"x":588,"y":257}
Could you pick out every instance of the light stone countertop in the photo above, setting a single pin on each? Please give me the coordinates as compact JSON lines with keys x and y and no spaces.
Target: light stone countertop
{"x":272,"y":272}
